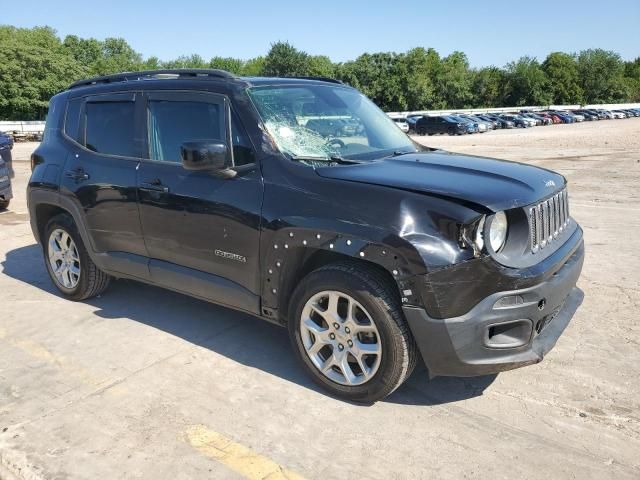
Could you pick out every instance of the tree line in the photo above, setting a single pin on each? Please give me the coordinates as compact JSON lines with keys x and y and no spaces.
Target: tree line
{"x":36,"y":64}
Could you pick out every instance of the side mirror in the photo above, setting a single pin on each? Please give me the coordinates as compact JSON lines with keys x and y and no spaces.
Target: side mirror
{"x":209,"y":155}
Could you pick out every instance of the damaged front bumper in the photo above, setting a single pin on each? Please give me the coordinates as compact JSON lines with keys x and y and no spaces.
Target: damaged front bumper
{"x":507,"y":329}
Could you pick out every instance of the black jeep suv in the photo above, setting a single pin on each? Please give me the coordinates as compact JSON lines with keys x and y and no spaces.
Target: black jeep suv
{"x":441,"y":124}
{"x":370,"y":249}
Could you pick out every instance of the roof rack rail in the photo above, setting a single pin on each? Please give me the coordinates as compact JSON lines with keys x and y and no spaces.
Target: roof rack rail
{"x":180,"y":72}
{"x":322,"y":79}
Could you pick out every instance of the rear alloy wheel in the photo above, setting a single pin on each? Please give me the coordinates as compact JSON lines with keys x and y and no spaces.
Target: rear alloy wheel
{"x":64,"y":259}
{"x":347,"y":328}
{"x":68,"y":262}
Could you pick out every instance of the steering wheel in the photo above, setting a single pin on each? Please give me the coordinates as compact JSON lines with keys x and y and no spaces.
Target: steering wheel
{"x":335,"y":141}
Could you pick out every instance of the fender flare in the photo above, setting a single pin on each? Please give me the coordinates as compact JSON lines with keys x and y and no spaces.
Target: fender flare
{"x":289,"y":249}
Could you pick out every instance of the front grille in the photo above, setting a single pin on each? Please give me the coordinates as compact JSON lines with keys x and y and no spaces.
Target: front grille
{"x":548,"y":219}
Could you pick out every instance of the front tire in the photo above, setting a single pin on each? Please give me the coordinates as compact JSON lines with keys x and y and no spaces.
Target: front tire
{"x":68,"y":262}
{"x":4,"y":204}
{"x":348,"y":330}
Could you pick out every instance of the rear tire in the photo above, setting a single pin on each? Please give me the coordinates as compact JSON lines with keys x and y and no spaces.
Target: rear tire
{"x":4,"y":204}
{"x":370,"y":304}
{"x":75,"y":274}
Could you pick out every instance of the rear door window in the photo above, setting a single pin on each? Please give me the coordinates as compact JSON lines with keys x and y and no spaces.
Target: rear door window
{"x":110,"y":128}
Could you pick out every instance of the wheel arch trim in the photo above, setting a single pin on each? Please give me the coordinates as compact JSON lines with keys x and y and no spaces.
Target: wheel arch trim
{"x":39,"y":197}
{"x":294,"y":252}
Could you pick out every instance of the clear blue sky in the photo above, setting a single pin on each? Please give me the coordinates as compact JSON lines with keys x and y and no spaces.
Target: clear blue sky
{"x":491,"y":32}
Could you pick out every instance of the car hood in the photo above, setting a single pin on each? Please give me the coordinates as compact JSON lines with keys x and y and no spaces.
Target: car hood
{"x":493,"y":184}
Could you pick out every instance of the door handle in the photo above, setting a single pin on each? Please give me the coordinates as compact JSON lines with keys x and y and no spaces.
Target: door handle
{"x":78,"y":174}
{"x":155,"y":185}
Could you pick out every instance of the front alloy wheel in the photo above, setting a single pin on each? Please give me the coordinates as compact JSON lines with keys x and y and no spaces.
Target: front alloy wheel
{"x":340,"y":338}
{"x":347,"y":328}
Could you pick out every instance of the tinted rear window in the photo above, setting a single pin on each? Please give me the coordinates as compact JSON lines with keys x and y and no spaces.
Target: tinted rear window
{"x":110,"y":128}
{"x":72,"y":119}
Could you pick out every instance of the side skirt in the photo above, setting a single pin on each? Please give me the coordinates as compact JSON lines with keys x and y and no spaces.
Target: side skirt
{"x":195,"y":283}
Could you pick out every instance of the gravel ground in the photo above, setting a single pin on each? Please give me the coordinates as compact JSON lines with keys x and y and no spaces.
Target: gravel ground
{"x":144,"y":383}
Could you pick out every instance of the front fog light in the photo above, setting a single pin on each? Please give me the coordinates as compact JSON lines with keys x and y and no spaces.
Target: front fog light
{"x":498,"y":231}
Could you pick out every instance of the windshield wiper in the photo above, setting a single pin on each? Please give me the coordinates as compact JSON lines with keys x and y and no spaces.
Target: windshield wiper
{"x":398,"y":153}
{"x":331,"y":159}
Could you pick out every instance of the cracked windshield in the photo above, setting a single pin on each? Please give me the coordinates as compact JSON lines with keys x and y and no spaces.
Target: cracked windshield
{"x":326,"y":122}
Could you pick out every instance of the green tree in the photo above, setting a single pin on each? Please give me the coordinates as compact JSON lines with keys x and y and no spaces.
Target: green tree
{"x":229,"y":64}
{"x":191,"y":61}
{"x":34,"y":67}
{"x":87,"y":52}
{"x":561,"y":70}
{"x":632,"y":79}
{"x":526,"y":83}
{"x":419,"y":71}
{"x":378,"y":76}
{"x":320,"y":66}
{"x":602,"y":76}
{"x":453,"y":82}
{"x":152,"y":63}
{"x":284,"y":60}
{"x":488,"y":87}
{"x":117,"y":56}
{"x":253,"y":67}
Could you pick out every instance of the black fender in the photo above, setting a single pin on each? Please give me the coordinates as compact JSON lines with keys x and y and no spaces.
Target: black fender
{"x":119,"y":265}
{"x":290,"y":249}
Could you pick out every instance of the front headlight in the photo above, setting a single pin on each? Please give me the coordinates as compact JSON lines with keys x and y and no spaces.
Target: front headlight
{"x":498,"y":231}
{"x":475,"y":235}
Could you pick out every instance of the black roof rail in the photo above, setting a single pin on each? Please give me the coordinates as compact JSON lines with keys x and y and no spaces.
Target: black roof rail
{"x":180,"y":72}
{"x":321,"y":79}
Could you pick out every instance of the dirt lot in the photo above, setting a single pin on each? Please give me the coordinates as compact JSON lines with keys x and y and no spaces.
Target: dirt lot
{"x":144,"y":383}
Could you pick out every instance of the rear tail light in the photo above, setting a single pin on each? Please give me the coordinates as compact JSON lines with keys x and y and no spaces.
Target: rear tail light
{"x":36,"y":160}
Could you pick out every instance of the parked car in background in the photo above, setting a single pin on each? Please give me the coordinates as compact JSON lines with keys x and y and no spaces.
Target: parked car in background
{"x":479,"y":121}
{"x":578,"y":117}
{"x":533,"y":117}
{"x":564,"y":116}
{"x":495,"y":124}
{"x":433,"y":125}
{"x":476,"y":127}
{"x":619,"y":114}
{"x":6,"y":145}
{"x":518,"y":121}
{"x":5,"y":185}
{"x":606,"y":114}
{"x":598,"y":114}
{"x":411,"y":121}
{"x":547,"y":118}
{"x":588,"y":116}
{"x":504,"y":123}
{"x":402,"y":124}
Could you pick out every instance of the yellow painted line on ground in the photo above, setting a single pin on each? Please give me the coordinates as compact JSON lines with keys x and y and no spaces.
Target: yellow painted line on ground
{"x":40,"y":352}
{"x":235,"y":456}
